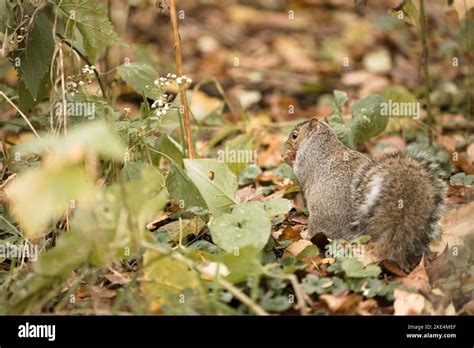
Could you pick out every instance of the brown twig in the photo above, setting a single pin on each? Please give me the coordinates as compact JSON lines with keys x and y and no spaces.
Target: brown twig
{"x":179,"y":72}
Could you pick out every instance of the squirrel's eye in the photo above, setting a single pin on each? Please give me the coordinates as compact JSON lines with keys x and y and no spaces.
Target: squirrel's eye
{"x":294,"y":135}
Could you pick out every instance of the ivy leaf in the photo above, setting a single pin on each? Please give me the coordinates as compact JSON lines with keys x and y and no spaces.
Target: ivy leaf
{"x":248,"y":224}
{"x":92,"y":21}
{"x":273,"y":303}
{"x":35,"y":59}
{"x":214,"y":180}
{"x":355,"y":269}
{"x":248,"y":175}
{"x":141,"y":78}
{"x":313,"y":284}
{"x":461,"y":179}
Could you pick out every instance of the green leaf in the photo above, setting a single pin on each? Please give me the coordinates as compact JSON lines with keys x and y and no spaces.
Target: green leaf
{"x":216,"y":183}
{"x":188,"y":226}
{"x":243,"y":264}
{"x":35,"y":58}
{"x":132,"y":170}
{"x":278,"y":206}
{"x":165,"y":281}
{"x":170,"y":147}
{"x":91,"y":240}
{"x":238,"y":153}
{"x":142,"y":198}
{"x":466,"y":34}
{"x":68,"y":254}
{"x":182,"y":189}
{"x":313,"y":284}
{"x":273,"y":303}
{"x":248,"y":224}
{"x":95,"y":136}
{"x":309,"y":251}
{"x":340,"y":98}
{"x":140,"y":77}
{"x":92,"y":21}
{"x":5,"y":15}
{"x":367,"y":121}
{"x":40,"y":196}
{"x":461,"y":179}
{"x":364,"y":239}
{"x":248,"y":175}
{"x":355,"y":269}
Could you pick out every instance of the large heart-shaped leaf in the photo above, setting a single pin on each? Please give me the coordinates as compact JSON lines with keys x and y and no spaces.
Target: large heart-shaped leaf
{"x":182,"y":189}
{"x":248,"y":224}
{"x":216,"y":183}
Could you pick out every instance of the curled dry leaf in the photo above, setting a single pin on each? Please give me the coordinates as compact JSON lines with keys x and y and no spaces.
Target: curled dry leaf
{"x":291,"y":233}
{"x":418,"y":278}
{"x":118,"y":278}
{"x":101,"y":292}
{"x":457,"y":223}
{"x":440,"y":267}
{"x":390,"y":266}
{"x":161,"y":219}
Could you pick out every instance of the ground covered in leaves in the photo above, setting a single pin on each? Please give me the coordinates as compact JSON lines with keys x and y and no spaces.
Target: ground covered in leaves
{"x":114,"y":216}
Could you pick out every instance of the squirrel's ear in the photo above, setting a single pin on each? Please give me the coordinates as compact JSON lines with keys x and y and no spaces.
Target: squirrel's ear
{"x":313,"y":123}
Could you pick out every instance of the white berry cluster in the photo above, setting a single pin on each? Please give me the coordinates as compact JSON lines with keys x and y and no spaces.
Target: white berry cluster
{"x":79,"y":80}
{"x":88,"y":70}
{"x":180,"y":80}
{"x":162,"y":104}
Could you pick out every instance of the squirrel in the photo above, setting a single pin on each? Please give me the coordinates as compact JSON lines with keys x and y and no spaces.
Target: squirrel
{"x":396,"y":200}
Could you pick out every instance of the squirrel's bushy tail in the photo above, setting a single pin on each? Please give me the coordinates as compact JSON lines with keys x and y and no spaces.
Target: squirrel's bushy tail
{"x":398,"y":201}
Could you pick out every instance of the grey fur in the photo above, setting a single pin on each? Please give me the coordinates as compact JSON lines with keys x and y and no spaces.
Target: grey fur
{"x":401,"y":215}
